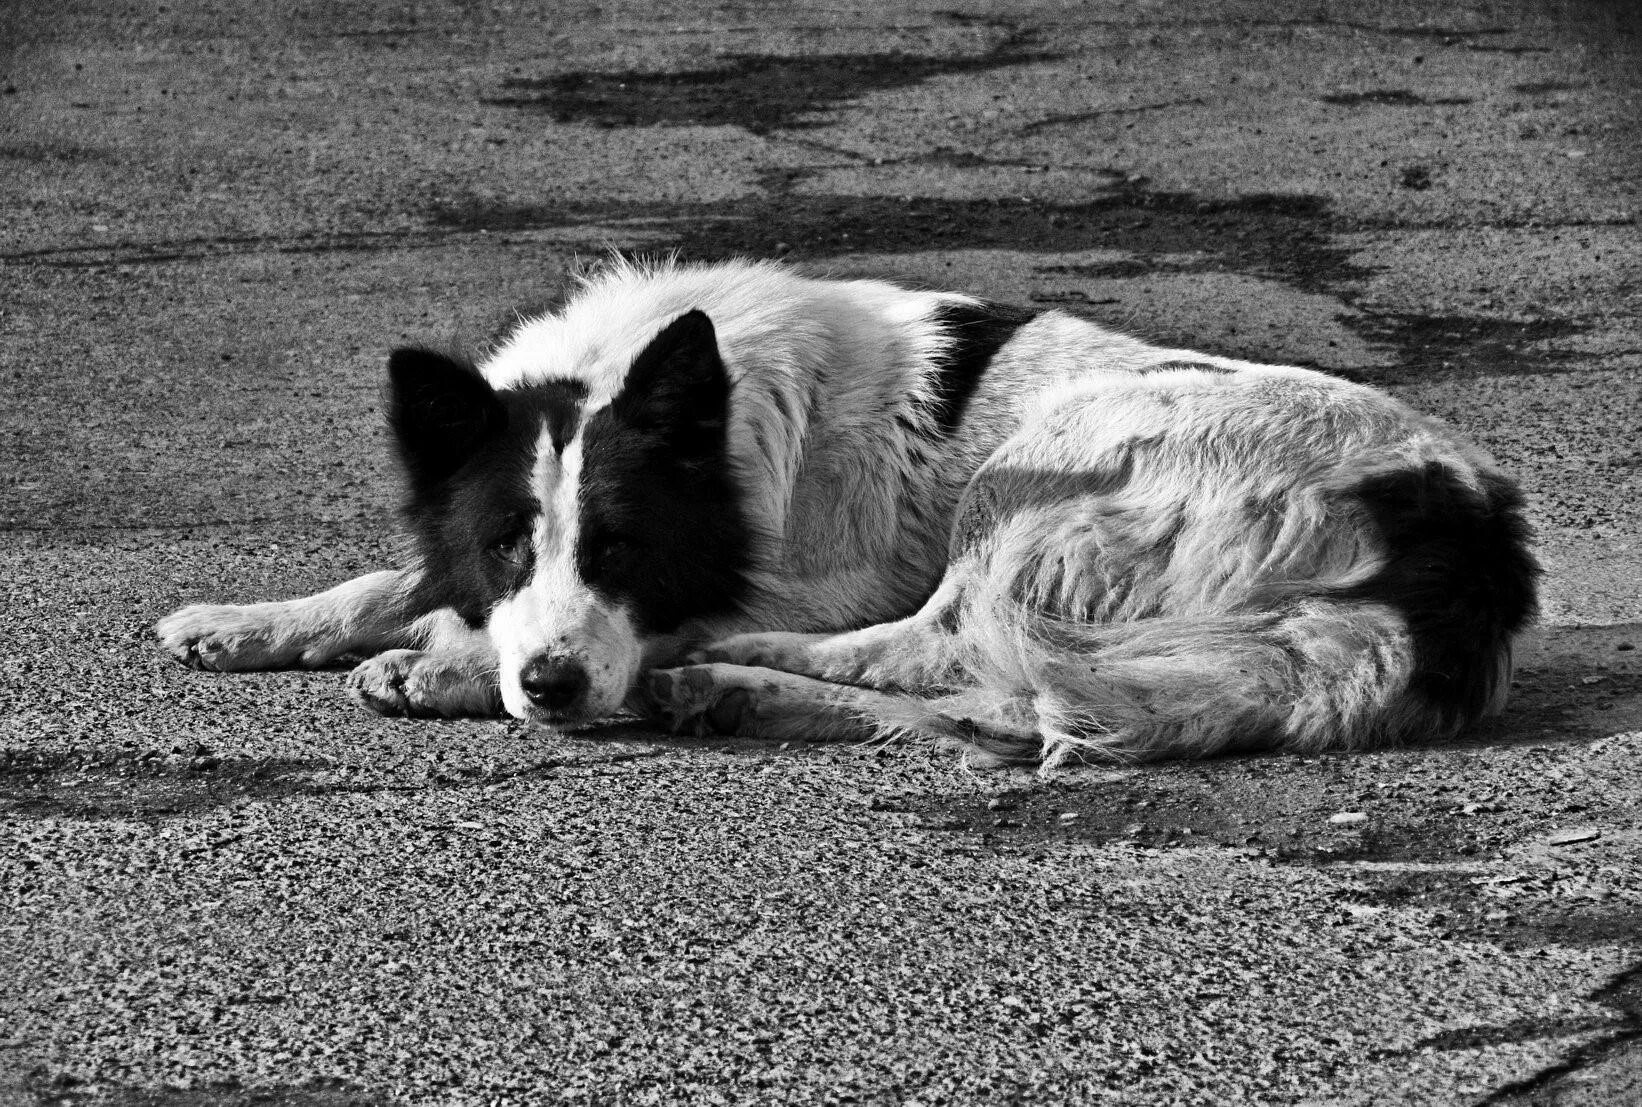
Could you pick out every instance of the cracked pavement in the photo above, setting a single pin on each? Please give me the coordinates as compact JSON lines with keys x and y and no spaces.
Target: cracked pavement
{"x":217,"y":218}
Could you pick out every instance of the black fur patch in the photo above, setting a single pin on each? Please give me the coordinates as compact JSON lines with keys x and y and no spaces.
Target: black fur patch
{"x":440,"y":409}
{"x":560,"y":403}
{"x":661,"y":527}
{"x":1459,"y":571}
{"x":468,"y":451}
{"x":978,"y":331}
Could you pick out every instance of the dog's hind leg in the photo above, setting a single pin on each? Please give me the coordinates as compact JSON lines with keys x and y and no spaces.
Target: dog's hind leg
{"x":454,"y":674}
{"x":369,"y":614}
{"x":753,"y":702}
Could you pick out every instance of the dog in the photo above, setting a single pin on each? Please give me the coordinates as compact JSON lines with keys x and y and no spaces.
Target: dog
{"x":743,"y":500}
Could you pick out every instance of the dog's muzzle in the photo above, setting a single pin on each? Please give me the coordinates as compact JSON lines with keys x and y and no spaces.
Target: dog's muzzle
{"x":555,"y":686}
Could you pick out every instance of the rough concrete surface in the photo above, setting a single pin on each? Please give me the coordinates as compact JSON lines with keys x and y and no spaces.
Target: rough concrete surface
{"x":219,"y":214}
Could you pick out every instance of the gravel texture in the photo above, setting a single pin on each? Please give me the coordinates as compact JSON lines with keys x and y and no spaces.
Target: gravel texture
{"x":216,"y":217}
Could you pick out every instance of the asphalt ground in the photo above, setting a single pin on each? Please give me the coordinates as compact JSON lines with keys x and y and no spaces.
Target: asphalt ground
{"x":215,"y":218}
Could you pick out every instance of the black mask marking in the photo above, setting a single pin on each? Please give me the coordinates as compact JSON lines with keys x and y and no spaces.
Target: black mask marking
{"x":661,"y":528}
{"x":468,"y":452}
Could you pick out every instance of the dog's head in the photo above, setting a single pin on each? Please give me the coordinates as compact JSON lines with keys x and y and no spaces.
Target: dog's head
{"x":578,"y":531}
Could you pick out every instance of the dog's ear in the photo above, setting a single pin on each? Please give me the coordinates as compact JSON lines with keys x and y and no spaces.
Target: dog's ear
{"x":441,"y":410}
{"x":678,"y":386}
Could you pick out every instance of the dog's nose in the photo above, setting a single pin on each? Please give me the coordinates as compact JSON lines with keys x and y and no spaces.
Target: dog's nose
{"x":554,"y":683}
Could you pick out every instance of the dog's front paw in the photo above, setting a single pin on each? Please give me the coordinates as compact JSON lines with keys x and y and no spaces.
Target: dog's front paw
{"x":227,"y":638}
{"x":781,"y":650}
{"x":702,"y":699}
{"x":424,"y":685}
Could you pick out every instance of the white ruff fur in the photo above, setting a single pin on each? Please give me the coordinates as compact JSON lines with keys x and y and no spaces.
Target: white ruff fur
{"x":1122,"y":551}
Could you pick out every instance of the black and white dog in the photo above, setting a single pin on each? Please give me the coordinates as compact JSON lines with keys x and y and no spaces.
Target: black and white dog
{"x":753,"y":502}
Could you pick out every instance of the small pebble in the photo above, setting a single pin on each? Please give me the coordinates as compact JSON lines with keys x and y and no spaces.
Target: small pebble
{"x":998,"y":805}
{"x":1573,"y":837}
{"x":1348,"y":818}
{"x":1069,"y":816}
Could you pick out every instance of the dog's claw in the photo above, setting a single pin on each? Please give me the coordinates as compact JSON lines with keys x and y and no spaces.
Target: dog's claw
{"x":418,"y":685}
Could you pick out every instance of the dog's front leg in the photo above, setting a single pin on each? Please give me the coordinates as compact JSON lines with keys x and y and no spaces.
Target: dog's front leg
{"x":762,"y":703}
{"x":454,"y":674}
{"x":910,"y":654}
{"x":366,"y":615}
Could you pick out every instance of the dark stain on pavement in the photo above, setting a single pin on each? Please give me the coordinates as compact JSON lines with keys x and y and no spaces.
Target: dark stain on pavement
{"x":1540,"y":88}
{"x":65,"y":1091}
{"x":149,"y":785}
{"x":153,"y":785}
{"x":759,"y":92}
{"x":1395,"y":97}
{"x":1287,"y":238}
{"x":1493,"y":346}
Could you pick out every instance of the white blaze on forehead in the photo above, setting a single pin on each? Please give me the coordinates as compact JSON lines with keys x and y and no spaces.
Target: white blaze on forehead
{"x":546,"y":477}
{"x":556,"y":615}
{"x":556,"y":480}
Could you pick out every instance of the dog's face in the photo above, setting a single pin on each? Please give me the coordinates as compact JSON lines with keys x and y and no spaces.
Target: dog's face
{"x":577,"y":535}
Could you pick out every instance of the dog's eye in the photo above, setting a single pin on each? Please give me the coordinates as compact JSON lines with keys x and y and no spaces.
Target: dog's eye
{"x":611,"y":550}
{"x":511,"y":549}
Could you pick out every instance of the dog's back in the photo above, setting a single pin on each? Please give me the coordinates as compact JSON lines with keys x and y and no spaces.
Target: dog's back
{"x":1150,"y":552}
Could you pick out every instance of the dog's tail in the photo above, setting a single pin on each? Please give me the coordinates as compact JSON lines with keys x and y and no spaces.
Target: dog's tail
{"x":1413,"y":644}
{"x":1324,"y":675}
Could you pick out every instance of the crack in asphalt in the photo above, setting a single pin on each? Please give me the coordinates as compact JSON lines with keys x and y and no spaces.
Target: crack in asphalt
{"x":1084,"y":116}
